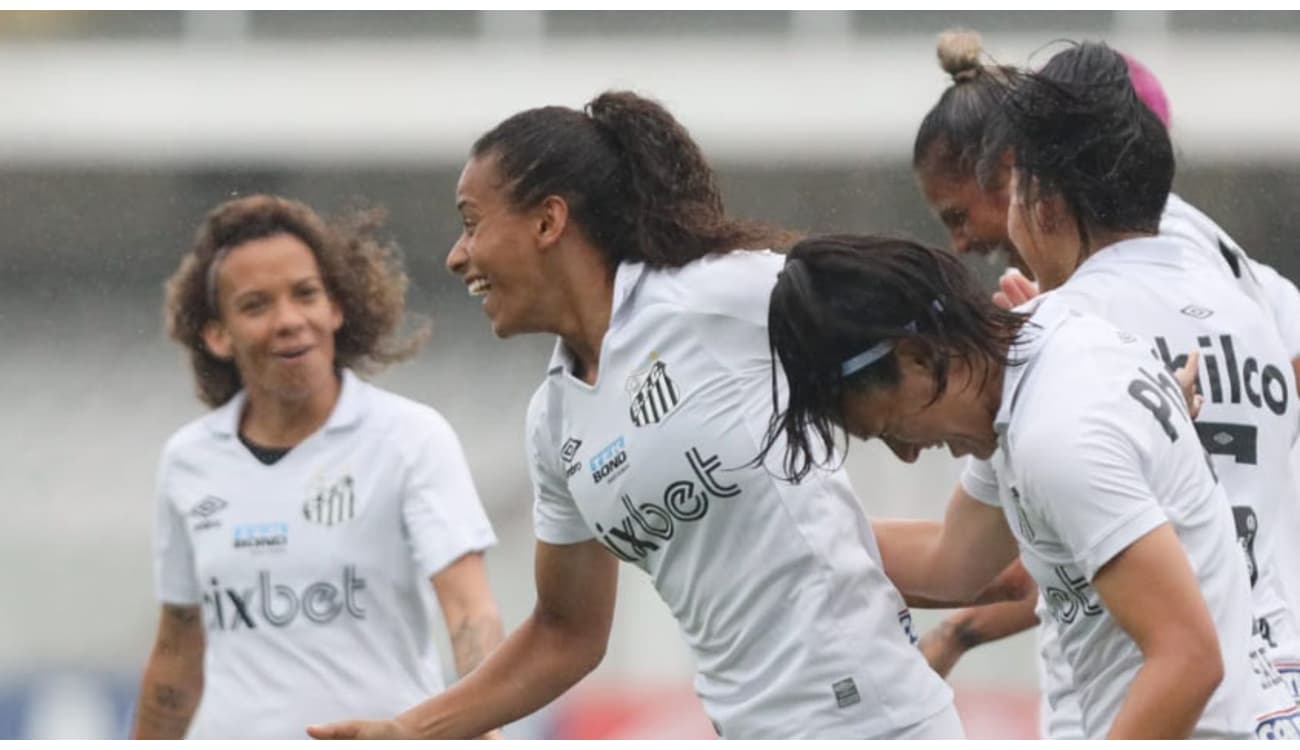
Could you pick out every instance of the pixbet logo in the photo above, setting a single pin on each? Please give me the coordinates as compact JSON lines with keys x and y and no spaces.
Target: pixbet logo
{"x":278,"y":605}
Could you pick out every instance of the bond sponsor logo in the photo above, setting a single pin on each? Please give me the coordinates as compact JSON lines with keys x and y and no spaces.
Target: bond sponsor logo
{"x":277,"y":605}
{"x":846,"y":693}
{"x":333,"y":505}
{"x":206,"y":510}
{"x":1196,"y":311}
{"x":609,"y":461}
{"x":654,"y":395}
{"x":568,"y":452}
{"x":647,"y":525}
{"x":262,"y":537}
{"x":1073,"y":598}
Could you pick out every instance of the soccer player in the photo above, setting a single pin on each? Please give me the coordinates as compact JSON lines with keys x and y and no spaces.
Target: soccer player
{"x":1093,"y":473}
{"x":605,"y":228}
{"x":965,"y":176}
{"x":304,"y":524}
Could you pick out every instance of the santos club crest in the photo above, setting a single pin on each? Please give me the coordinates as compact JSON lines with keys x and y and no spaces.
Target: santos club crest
{"x":653,"y":396}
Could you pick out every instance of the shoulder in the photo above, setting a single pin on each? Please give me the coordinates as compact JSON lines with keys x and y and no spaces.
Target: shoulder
{"x":190,"y":441}
{"x":735,"y":284}
{"x":405,"y":421}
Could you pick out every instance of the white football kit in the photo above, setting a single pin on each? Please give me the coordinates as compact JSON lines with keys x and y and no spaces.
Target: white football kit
{"x":1164,"y":289}
{"x":1060,"y":714}
{"x":1081,"y":478}
{"x":313,"y":573}
{"x":778,"y":588}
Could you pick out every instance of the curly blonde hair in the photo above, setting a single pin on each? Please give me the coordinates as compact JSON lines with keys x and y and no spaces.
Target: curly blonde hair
{"x":362,"y":274}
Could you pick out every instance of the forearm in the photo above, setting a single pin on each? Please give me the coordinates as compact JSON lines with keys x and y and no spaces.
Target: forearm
{"x":473,"y":637}
{"x":531,"y":668}
{"x":914,"y":560}
{"x":1166,"y":698}
{"x":169,"y":694}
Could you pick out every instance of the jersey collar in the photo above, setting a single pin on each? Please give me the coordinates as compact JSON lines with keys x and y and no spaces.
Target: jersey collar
{"x":1157,"y":250}
{"x":1046,"y":314}
{"x":626,"y":280}
{"x":348,"y":411}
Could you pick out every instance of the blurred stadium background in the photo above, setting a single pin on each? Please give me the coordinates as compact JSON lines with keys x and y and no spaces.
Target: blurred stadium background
{"x":120,"y":129}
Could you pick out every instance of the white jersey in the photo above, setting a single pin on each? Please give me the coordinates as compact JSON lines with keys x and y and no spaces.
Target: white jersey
{"x":778,"y":588}
{"x":1162,"y":289}
{"x":1082,"y":478}
{"x":1182,"y":220}
{"x":314,"y":572}
{"x":1059,"y":717}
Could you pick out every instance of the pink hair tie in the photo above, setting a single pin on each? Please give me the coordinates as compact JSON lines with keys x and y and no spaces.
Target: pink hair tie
{"x":1148,"y":88}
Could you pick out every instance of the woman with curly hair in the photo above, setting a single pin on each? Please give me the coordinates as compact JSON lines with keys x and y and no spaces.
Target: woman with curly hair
{"x":300,"y":521}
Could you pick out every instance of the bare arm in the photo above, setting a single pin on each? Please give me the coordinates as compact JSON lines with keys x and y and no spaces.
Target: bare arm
{"x":1152,"y":592}
{"x":473,"y":622}
{"x":173,"y":678}
{"x":560,"y":642}
{"x":965,"y":629}
{"x":951,"y":561}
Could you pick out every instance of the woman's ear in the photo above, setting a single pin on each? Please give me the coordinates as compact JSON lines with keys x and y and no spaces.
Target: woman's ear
{"x":217,"y":340}
{"x":553,"y":219}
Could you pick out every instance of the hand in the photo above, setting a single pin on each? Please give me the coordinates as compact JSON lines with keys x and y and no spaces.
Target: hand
{"x":360,"y":729}
{"x":1015,"y":289}
{"x":1186,"y":377}
{"x":941,"y":648}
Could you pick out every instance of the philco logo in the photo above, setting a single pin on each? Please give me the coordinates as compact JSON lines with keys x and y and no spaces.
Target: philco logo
{"x":568,"y":452}
{"x":205,"y":510}
{"x":653,"y":397}
{"x":333,"y":505}
{"x":610,"y":461}
{"x":262,"y":537}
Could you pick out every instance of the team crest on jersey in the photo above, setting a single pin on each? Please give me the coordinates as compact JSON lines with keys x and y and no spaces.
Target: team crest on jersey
{"x":654,"y":394}
{"x":333,"y":504}
{"x":206,"y":510}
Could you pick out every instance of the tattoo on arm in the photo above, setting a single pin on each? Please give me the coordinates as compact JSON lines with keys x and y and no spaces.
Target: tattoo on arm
{"x":472,"y":639}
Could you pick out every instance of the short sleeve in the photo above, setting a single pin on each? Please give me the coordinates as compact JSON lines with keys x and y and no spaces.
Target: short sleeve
{"x":441,"y":508}
{"x":980,"y":481}
{"x":1089,"y":484}
{"x":175,"y":580}
{"x":556,"y":519}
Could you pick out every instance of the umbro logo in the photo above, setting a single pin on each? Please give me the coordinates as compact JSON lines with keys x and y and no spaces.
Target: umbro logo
{"x":570,"y":449}
{"x":654,"y":397}
{"x":1196,"y":311}
{"x":205,"y":510}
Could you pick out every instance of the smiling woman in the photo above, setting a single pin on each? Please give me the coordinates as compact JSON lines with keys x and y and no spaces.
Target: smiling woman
{"x":1122,"y":525}
{"x":303,"y":514}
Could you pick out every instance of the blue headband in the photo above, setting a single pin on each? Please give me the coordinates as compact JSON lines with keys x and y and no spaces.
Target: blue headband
{"x":878,"y":351}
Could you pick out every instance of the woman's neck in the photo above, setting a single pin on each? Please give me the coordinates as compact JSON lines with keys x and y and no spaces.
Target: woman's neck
{"x":271,"y":420}
{"x":588,"y":306}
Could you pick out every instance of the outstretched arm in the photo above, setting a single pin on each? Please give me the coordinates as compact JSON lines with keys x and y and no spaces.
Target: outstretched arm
{"x":560,"y":642}
{"x":952,"y":561}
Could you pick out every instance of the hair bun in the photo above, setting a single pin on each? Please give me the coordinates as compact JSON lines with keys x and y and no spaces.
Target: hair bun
{"x":959,"y":53}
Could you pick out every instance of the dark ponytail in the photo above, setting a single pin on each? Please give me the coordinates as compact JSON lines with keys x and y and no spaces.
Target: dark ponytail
{"x":635,"y":181}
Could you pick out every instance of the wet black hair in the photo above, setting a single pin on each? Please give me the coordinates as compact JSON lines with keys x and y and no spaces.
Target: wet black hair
{"x":1077,"y":129}
{"x":840,"y":295}
{"x":635,"y":181}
